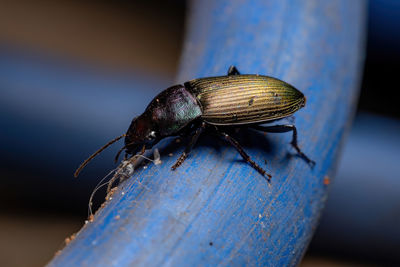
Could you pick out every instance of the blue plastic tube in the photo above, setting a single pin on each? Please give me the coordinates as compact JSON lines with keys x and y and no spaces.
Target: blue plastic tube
{"x":215,"y":209}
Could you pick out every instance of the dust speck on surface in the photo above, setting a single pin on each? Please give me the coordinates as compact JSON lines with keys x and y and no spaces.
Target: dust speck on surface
{"x":251,"y":101}
{"x":117,"y":217}
{"x":327,"y":180}
{"x":111,"y":193}
{"x":69,"y":239}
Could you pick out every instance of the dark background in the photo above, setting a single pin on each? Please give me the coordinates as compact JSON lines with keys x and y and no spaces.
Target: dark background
{"x":66,"y":70}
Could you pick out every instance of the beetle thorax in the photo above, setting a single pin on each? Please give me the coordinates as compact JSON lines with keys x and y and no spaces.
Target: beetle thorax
{"x":172,"y":110}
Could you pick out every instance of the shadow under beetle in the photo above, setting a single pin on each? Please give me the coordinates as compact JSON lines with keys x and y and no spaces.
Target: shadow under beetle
{"x":220,"y":103}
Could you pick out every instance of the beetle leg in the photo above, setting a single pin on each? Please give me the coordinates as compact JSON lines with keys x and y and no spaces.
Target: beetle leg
{"x":283,"y":129}
{"x":244,"y":155}
{"x":233,"y":71}
{"x":189,"y":147}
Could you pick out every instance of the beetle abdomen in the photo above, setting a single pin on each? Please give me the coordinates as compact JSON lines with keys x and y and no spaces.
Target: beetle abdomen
{"x":244,"y":99}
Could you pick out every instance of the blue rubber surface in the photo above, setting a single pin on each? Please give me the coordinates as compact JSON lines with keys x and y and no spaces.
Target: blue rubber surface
{"x":215,"y":209}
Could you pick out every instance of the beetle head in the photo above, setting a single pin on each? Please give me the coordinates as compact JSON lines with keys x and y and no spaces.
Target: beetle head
{"x":142,"y":131}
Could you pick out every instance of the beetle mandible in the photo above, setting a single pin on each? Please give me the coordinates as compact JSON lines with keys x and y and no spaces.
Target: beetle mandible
{"x":218,"y":103}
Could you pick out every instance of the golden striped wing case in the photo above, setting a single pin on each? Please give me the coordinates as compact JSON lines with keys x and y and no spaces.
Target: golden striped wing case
{"x":244,"y":99}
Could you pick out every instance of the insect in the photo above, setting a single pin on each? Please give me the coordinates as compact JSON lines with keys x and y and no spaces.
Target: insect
{"x":216,"y":103}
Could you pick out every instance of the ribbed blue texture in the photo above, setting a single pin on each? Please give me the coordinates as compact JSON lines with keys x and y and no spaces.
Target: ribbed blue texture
{"x":215,"y":209}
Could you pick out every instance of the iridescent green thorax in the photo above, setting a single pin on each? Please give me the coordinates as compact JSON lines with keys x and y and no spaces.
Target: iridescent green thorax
{"x":172,"y":110}
{"x":244,"y":99}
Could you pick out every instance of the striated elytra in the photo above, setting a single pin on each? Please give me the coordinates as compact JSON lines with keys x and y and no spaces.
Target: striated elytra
{"x":216,"y":104}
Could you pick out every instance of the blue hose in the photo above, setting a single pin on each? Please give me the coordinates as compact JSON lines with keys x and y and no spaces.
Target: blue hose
{"x":215,"y":209}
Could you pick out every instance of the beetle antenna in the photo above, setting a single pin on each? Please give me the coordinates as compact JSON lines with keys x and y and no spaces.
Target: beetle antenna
{"x":96,"y":153}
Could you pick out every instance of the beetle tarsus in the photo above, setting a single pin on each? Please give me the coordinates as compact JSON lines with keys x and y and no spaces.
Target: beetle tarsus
{"x":302,"y":155}
{"x":233,"y":71}
{"x":245,"y":156}
{"x":283,"y":129}
{"x":179,"y":161}
{"x":189,"y":146}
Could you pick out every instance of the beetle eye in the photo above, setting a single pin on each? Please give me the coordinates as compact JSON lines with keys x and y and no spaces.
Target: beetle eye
{"x":151,"y":135}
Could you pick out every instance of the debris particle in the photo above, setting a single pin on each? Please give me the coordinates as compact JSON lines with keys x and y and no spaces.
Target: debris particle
{"x":91,"y":218}
{"x":127,"y":169}
{"x":144,"y":167}
{"x":251,"y":101}
{"x":170,"y":154}
{"x":327,"y":180}
{"x":111,"y":193}
{"x":177,"y":140}
{"x":117,"y":217}
{"x":69,"y":239}
{"x":157,"y":158}
{"x":259,"y":216}
{"x":122,"y":193}
{"x":211,"y":243}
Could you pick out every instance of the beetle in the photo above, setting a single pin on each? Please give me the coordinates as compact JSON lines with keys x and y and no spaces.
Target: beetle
{"x":219,"y":103}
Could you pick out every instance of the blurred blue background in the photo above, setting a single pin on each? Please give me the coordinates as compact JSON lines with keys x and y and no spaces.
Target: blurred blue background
{"x":74,"y":73}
